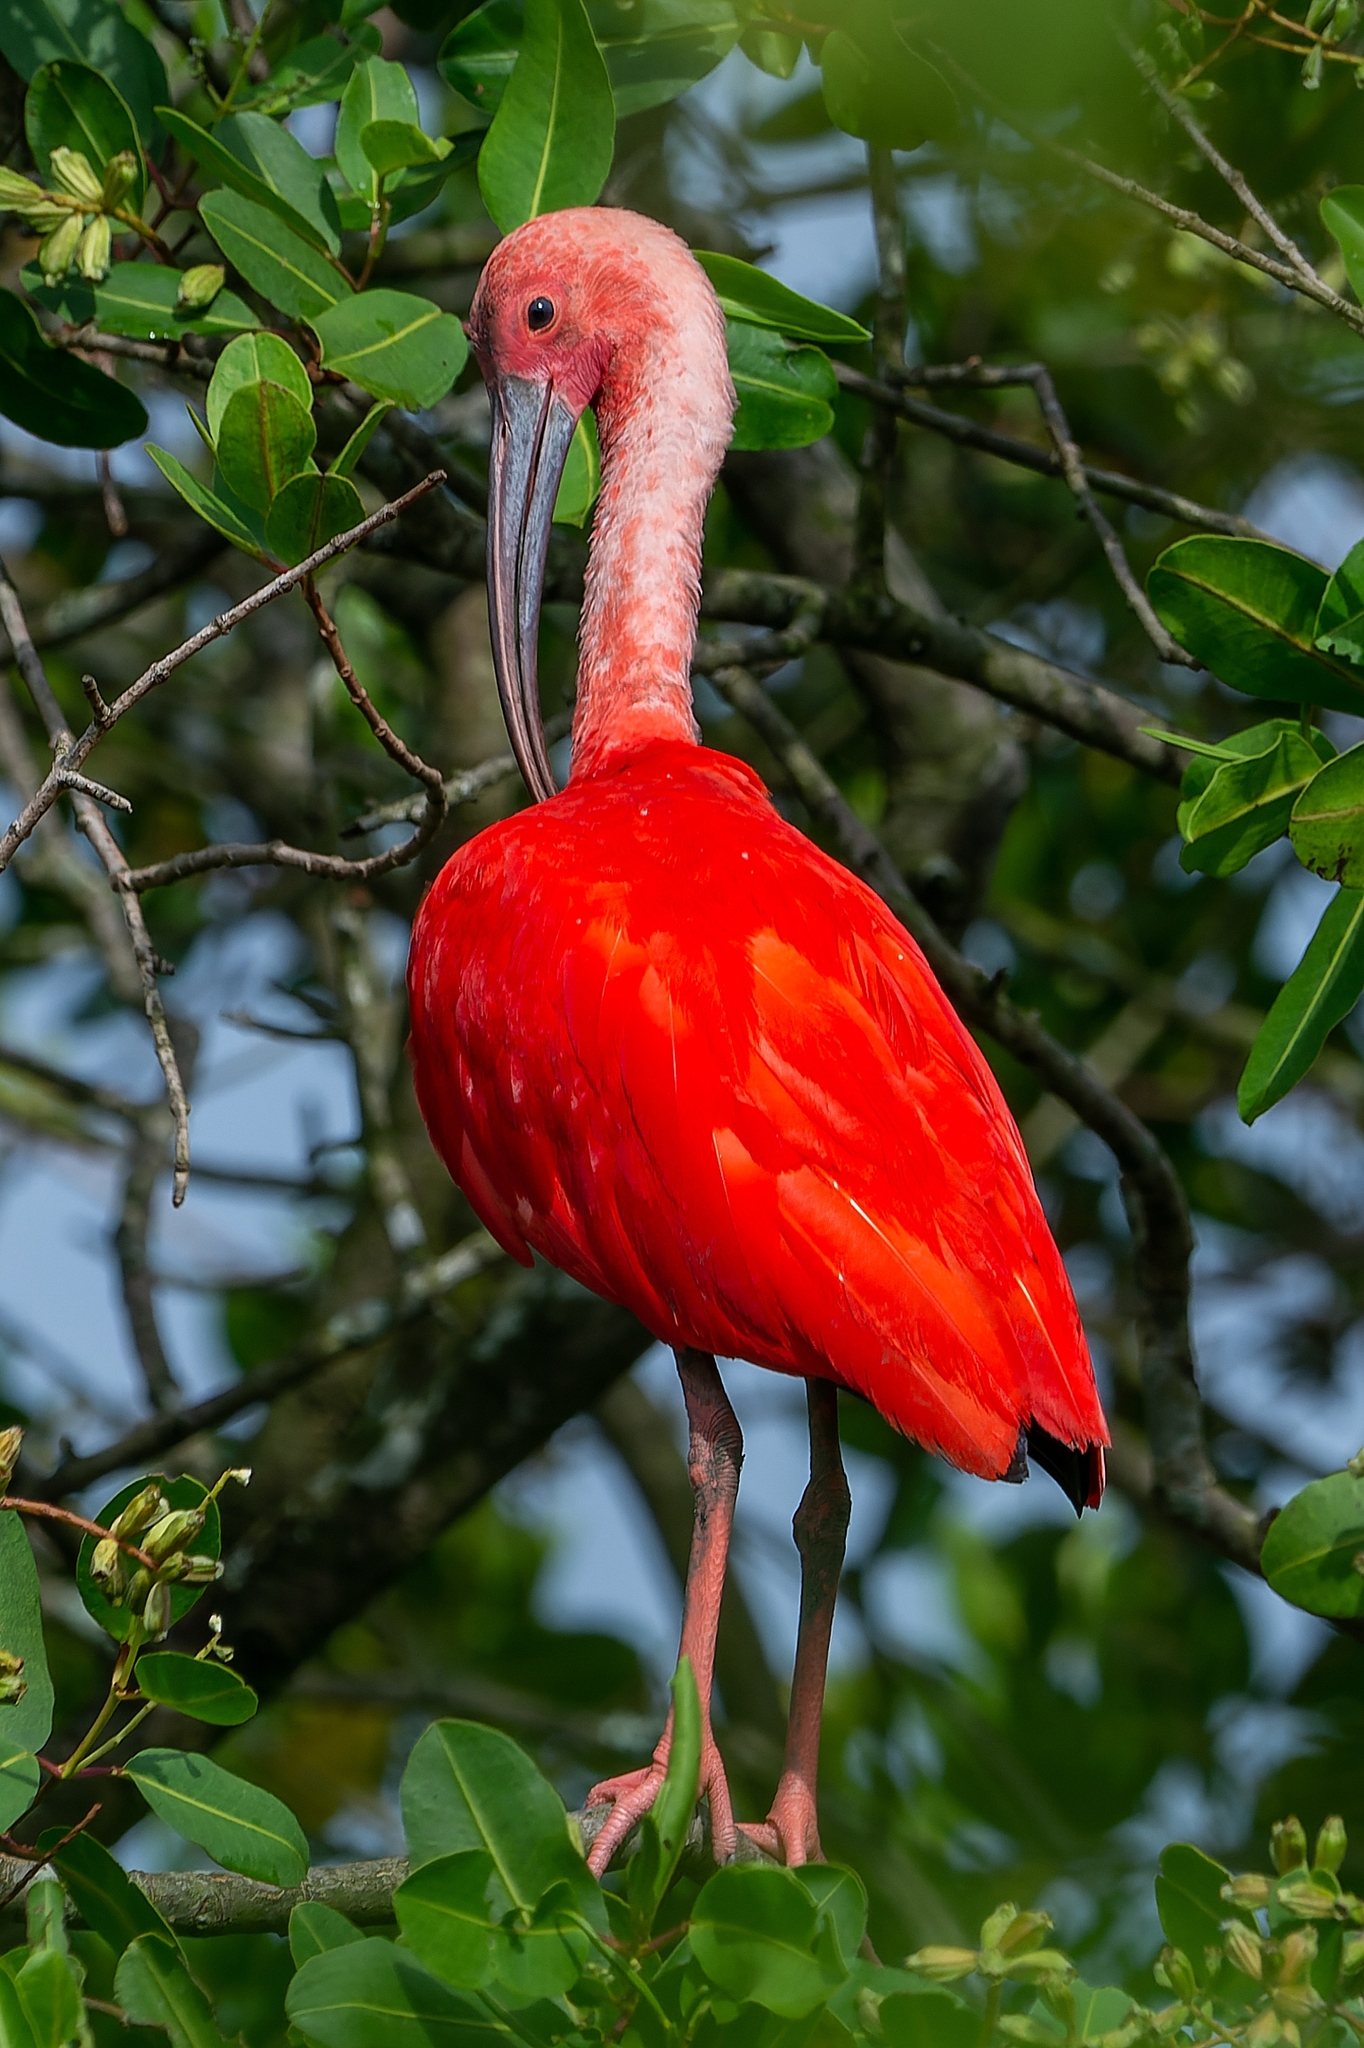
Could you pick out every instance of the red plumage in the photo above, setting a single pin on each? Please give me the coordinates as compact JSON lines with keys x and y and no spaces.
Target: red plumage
{"x":662,"y":1040}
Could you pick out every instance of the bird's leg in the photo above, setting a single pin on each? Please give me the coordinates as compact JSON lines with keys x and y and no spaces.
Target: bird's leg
{"x":715,"y":1455}
{"x":820,"y":1529}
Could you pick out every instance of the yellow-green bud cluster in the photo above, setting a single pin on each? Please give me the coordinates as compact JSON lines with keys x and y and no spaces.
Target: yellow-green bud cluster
{"x":73,"y":216}
{"x":13,"y":1685}
{"x":163,"y":1534}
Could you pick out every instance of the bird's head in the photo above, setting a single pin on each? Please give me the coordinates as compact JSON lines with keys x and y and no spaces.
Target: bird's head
{"x":590,"y":306}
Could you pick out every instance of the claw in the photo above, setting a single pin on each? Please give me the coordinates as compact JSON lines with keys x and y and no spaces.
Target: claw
{"x":631,"y":1795}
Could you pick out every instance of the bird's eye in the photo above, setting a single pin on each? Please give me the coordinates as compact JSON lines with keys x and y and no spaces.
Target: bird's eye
{"x":539,"y":314}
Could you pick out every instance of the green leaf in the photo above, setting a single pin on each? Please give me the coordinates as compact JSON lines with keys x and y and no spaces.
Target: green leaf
{"x":180,"y":1493}
{"x":786,"y":395}
{"x":15,"y":2031}
{"x":1248,"y":611}
{"x":377,"y":91}
{"x":315,"y":1928}
{"x":1243,"y":805}
{"x":1310,"y":1551}
{"x":1327,"y":826}
{"x":391,"y":146}
{"x":70,"y":106}
{"x":1340,"y":617}
{"x":310,"y":511}
{"x":393,"y":345}
{"x":103,"y":1892}
{"x":279,"y":265}
{"x":876,"y":87}
{"x":265,"y":438}
{"x":653,"y":49}
{"x":155,"y":1989}
{"x":478,"y":56}
{"x":254,"y":359}
{"x":446,"y":1919}
{"x":259,"y":159}
{"x":841,"y":1895}
{"x":370,"y":1995}
{"x":747,"y":293}
{"x":753,"y":1932}
{"x":242,"y":1827}
{"x":656,"y":49}
{"x":50,"y":1994}
{"x":467,"y":1787}
{"x":1190,"y":1903}
{"x":771,"y":49}
{"x":1321,"y":991}
{"x":1343,"y":213}
{"x":928,"y":2019}
{"x":28,"y":1723}
{"x":581,"y":480}
{"x":204,"y":1691}
{"x":56,"y":396}
{"x":137,"y":299}
{"x":345,"y":462}
{"x":94,"y":33}
{"x":19,"y":1775}
{"x":211,"y":508}
{"x":663,"y":1830}
{"x":553,"y":136}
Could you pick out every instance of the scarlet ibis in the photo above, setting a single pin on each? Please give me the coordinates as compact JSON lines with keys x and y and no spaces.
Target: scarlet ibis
{"x":662,"y":1040}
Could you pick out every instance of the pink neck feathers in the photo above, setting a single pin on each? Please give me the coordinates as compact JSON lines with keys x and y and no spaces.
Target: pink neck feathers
{"x":664,"y":414}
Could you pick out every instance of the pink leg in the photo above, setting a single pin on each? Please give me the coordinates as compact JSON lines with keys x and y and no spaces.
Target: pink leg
{"x":820,"y":1529}
{"x":716,"y":1453}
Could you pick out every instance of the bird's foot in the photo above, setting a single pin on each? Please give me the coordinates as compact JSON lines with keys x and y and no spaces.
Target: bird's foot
{"x":631,"y":1795}
{"x":791,"y":1831}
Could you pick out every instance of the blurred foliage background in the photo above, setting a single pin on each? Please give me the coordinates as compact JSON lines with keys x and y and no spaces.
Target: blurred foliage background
{"x":1020,"y":1707}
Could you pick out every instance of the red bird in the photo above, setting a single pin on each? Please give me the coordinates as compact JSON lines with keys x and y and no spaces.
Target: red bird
{"x":666,"y":1043}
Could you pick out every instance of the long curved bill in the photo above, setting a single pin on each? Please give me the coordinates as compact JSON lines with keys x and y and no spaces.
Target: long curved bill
{"x":532,"y":429}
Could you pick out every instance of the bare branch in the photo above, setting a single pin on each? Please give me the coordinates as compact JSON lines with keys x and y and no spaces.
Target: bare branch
{"x":146,"y":1157}
{"x":460,"y":788}
{"x":164,"y":355}
{"x":954,"y":426}
{"x":277,"y":853}
{"x":1163,"y":1239}
{"x":74,"y":756}
{"x":349,"y":1331}
{"x":396,"y":749}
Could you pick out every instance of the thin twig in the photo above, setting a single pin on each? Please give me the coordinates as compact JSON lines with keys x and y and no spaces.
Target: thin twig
{"x":1163,"y":1245}
{"x":165,"y":355}
{"x":397,"y":749}
{"x":160,"y":670}
{"x":369,"y":1017}
{"x":954,"y":426}
{"x":460,"y":788}
{"x":90,"y":820}
{"x":37,"y":1862}
{"x":277,"y":853}
{"x":146,"y":1155}
{"x":115,"y":515}
{"x":45,"y":1511}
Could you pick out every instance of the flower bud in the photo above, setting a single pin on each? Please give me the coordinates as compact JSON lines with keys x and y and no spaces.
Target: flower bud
{"x":58,"y":251}
{"x":1040,"y":1964}
{"x":17,"y":192}
{"x":172,"y":1532}
{"x":119,"y":174}
{"x":143,"y":1509}
{"x":199,"y":287}
{"x":187,"y":1569}
{"x":1329,"y":1853}
{"x":138,"y":1588}
{"x":106,"y":1568}
{"x":1250,"y":1889}
{"x":1244,"y":1949}
{"x":1264,"y":2030}
{"x":942,"y":1965}
{"x":1178,"y":1974}
{"x":1297,"y":2002}
{"x":10,"y":1440}
{"x":1355,"y":1467}
{"x":1288,"y":1844}
{"x":96,"y":247}
{"x":1297,"y":1953}
{"x":998,"y":1924}
{"x":1351,"y":1954}
{"x":1170,"y":2021}
{"x":46,"y":215}
{"x":1306,"y":1901}
{"x":156,"y":1615}
{"x":71,"y":173}
{"x":1020,"y":2026}
{"x":12,"y":1685}
{"x":1024,"y":1931}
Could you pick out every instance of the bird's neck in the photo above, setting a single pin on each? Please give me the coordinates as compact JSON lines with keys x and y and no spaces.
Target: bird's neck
{"x":663,"y":420}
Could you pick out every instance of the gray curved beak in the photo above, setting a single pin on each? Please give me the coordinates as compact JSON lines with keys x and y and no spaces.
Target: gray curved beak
{"x":532,"y":429}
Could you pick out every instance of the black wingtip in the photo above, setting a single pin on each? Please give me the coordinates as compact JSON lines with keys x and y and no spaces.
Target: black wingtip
{"x":1078,"y":1473}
